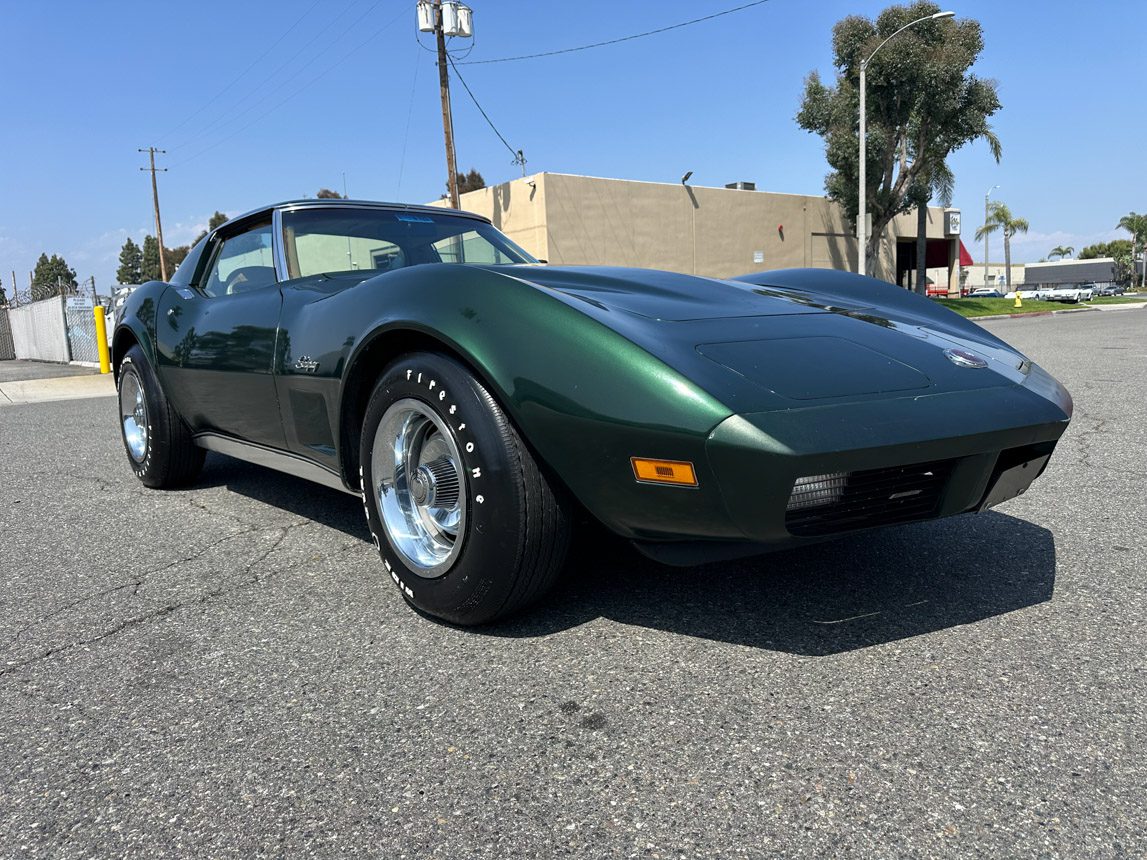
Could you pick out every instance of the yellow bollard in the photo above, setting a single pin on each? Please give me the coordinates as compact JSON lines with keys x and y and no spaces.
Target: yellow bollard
{"x":1019,"y":302}
{"x":102,"y":340}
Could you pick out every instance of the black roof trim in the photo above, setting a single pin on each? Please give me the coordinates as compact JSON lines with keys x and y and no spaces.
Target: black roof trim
{"x":335,"y":203}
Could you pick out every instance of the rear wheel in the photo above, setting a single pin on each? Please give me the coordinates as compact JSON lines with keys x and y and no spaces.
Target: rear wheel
{"x":158,"y":442}
{"x":469,"y":528}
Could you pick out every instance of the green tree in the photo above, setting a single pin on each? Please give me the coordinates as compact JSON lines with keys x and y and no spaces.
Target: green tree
{"x":216,"y":220}
{"x":130,"y":263}
{"x":922,"y":105}
{"x":1061,"y":251}
{"x":52,"y":277}
{"x":3,"y":297}
{"x":1000,"y":218}
{"x":1106,"y":249}
{"x":149,"y":264}
{"x":327,"y":194}
{"x":471,"y":181}
{"x":1136,"y":225}
{"x":1119,"y":250}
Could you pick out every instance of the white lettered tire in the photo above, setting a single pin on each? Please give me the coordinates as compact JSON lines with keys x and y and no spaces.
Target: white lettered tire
{"x":469,"y":528}
{"x":158,"y":443}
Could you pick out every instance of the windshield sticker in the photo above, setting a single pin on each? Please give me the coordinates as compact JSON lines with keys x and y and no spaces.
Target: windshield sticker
{"x":417,"y":219}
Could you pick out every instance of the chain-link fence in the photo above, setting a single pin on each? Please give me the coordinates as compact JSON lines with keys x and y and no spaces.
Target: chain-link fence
{"x":39,"y":330}
{"x":56,"y":329}
{"x":81,"y":329}
{"x":7,"y":348}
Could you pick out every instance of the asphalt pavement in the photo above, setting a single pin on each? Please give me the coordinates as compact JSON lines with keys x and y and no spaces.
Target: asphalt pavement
{"x":224,"y":671}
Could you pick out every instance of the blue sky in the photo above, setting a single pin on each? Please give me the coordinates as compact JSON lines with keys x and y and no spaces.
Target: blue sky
{"x":257,"y":102}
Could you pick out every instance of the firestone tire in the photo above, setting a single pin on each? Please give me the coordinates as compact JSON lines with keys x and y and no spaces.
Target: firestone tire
{"x":468,"y":527}
{"x":158,"y":443}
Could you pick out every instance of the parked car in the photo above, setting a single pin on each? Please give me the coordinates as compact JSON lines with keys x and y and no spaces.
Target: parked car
{"x":1036,"y":294}
{"x":1110,"y":290}
{"x":1073,"y":293}
{"x":475,"y":400}
{"x":985,"y":293}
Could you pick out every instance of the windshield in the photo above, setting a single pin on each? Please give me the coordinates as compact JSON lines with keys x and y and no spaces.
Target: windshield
{"x":325,"y":241}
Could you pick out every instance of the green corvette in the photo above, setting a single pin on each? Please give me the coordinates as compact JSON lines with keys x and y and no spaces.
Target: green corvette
{"x":475,"y":398}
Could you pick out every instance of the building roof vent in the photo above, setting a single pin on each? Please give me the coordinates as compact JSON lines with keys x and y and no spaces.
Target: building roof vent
{"x":742,"y":186}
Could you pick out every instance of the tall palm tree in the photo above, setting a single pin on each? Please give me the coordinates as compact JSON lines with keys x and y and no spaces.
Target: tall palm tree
{"x":1061,"y":251}
{"x":937,"y":180}
{"x":1000,"y":218}
{"x":1136,"y":225}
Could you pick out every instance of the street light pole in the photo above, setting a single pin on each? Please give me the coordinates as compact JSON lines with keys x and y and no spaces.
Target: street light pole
{"x":987,"y":234}
{"x":862,"y":208}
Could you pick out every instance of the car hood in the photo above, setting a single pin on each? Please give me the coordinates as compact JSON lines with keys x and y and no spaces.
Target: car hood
{"x":666,"y":296}
{"x":758,"y":347}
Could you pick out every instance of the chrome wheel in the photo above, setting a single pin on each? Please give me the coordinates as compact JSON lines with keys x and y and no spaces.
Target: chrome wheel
{"x":416,"y":472}
{"x":133,"y":414}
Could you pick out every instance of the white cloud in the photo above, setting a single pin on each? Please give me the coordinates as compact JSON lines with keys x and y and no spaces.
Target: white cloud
{"x":99,"y":251}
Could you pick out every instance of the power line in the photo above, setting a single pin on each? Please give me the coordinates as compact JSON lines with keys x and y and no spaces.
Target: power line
{"x":235,"y":112}
{"x":514,"y":152}
{"x":342,"y":59}
{"x":237,"y":77}
{"x":406,"y":134}
{"x":616,"y":41}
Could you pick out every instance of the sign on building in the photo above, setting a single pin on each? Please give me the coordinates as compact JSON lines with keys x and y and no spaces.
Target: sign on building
{"x":951,"y":222}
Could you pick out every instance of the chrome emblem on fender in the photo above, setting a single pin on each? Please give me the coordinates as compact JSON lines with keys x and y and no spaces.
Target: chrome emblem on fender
{"x":306,"y":364}
{"x":964,"y":358}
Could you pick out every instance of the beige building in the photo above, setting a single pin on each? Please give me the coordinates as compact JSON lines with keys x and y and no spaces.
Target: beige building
{"x":717,"y":232}
{"x":996,"y":276}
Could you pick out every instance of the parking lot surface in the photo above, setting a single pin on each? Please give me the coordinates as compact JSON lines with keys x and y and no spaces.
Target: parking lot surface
{"x":224,"y":671}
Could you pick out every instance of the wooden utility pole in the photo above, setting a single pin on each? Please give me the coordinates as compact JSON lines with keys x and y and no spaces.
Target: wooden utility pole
{"x":447,"y":119}
{"x":151,"y":151}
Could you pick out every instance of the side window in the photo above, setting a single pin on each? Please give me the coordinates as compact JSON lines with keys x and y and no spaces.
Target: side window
{"x":470,"y":247}
{"x":244,"y":263}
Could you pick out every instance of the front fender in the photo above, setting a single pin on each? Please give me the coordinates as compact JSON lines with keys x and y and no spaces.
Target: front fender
{"x":584,"y":397}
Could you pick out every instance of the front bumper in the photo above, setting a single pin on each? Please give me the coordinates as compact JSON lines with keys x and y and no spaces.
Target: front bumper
{"x":976,"y":448}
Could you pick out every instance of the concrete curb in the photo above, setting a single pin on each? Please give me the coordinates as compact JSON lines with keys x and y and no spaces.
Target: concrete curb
{"x":56,"y":388}
{"x":1034,"y":314}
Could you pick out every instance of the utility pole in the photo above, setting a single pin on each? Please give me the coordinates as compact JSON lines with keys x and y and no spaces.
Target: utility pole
{"x":447,"y":118}
{"x":151,"y":151}
{"x":446,"y":18}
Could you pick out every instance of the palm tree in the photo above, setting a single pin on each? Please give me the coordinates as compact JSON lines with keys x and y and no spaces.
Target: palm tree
{"x":1061,"y":251}
{"x":1136,"y":225}
{"x":937,"y":180}
{"x":1000,"y":218}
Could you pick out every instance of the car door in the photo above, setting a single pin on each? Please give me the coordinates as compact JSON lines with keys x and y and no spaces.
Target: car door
{"x":219,"y":339}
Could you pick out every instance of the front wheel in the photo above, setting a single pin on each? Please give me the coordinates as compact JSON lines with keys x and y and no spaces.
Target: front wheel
{"x":468,"y":526}
{"x":158,"y":442}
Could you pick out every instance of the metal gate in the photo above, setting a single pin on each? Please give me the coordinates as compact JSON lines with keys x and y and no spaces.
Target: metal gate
{"x":7,"y":348}
{"x":81,"y":329}
{"x":38,"y":330}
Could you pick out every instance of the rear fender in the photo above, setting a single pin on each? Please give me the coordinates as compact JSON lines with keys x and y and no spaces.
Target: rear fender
{"x":136,"y":323}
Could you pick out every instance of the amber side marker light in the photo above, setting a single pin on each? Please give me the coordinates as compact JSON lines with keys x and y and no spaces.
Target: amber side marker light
{"x":676,"y":472}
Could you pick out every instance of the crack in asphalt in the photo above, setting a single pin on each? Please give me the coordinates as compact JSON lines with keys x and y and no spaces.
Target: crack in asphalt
{"x":250,"y":578}
{"x":102,"y":484}
{"x":135,"y":584}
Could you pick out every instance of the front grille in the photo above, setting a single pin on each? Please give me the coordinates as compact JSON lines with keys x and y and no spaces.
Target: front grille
{"x":876,"y":497}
